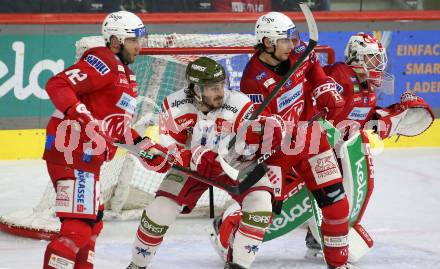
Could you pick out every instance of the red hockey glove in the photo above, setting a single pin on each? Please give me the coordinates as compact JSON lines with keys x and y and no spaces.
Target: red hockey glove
{"x":327,"y":98}
{"x":81,"y":114}
{"x":87,"y":124}
{"x":205,"y":162}
{"x":269,"y":135}
{"x":155,"y":156}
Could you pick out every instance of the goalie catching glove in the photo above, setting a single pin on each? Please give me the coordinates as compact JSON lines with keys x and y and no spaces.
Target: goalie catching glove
{"x":411,"y":117}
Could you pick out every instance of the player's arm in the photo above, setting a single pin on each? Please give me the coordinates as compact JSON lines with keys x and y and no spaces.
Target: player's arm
{"x":411,"y":117}
{"x":323,"y":88}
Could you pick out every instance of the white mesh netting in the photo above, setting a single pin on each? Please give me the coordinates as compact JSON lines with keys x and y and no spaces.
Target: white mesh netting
{"x":127,"y":186}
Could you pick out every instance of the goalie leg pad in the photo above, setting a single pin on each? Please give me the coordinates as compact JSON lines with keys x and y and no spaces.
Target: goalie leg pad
{"x":360,"y":243}
{"x":155,"y":220}
{"x":61,"y":252}
{"x":257,"y":214}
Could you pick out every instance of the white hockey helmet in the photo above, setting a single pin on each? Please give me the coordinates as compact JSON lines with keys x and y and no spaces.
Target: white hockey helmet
{"x":366,"y":55}
{"x":275,"y":25}
{"x":123,"y":24}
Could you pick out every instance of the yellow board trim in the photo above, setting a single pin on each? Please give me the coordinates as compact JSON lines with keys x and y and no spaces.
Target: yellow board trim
{"x":29,"y":144}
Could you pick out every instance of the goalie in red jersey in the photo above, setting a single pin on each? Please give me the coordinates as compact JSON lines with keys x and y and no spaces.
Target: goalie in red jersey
{"x":358,"y":80}
{"x":95,"y":99}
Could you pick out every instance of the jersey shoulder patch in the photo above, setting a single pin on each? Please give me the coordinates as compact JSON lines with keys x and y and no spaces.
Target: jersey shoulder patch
{"x":103,"y":60}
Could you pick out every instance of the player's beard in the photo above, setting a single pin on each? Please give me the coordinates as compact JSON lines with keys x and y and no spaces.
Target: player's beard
{"x":124,"y":56}
{"x":214,"y":103}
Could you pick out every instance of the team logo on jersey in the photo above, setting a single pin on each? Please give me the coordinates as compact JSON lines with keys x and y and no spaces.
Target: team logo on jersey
{"x":359,"y":113}
{"x":290,"y":97}
{"x":269,"y":82}
{"x":261,"y":75}
{"x":97,"y":64}
{"x":256,"y":98}
{"x":127,"y":103}
{"x":324,"y":167}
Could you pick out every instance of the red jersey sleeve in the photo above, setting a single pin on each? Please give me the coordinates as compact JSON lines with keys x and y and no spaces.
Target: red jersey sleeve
{"x":315,"y":74}
{"x":95,"y":71}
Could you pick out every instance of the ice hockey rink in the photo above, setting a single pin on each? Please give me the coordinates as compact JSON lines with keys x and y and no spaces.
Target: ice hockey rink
{"x":403,"y":219}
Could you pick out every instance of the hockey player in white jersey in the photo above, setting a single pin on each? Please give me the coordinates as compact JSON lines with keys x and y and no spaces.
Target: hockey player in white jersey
{"x":195,"y":121}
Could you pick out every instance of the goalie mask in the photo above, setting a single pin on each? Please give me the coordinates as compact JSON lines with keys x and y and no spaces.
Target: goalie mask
{"x":205,"y":74}
{"x":366,"y":55}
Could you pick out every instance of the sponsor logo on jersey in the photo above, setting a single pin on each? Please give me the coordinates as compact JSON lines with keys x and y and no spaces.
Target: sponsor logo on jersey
{"x":366,"y":100}
{"x":269,"y":82}
{"x":198,"y":67}
{"x":324,"y":167}
{"x":261,"y":75}
{"x":97,"y":64}
{"x":300,"y":48}
{"x":122,"y":80}
{"x":256,"y":98}
{"x":121,"y":68}
{"x":84,"y":192}
{"x":230,"y":108}
{"x":132,"y":78}
{"x":290,"y":97}
{"x":339,"y":88}
{"x":288,"y":83}
{"x":359,"y":113}
{"x":127,"y":103}
{"x":178,"y":103}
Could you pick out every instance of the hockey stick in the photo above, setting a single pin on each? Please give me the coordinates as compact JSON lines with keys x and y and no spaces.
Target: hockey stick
{"x":134,"y":149}
{"x":242,"y":176}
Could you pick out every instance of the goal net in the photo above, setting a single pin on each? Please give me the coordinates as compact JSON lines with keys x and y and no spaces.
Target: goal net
{"x":160,"y":70}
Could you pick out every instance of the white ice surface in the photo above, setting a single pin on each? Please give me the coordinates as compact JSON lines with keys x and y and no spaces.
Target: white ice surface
{"x":403,"y":218}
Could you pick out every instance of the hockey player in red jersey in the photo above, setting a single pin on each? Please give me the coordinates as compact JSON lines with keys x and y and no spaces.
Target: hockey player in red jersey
{"x":358,"y":80}
{"x":278,"y":49}
{"x":195,"y":121}
{"x":95,"y":100}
